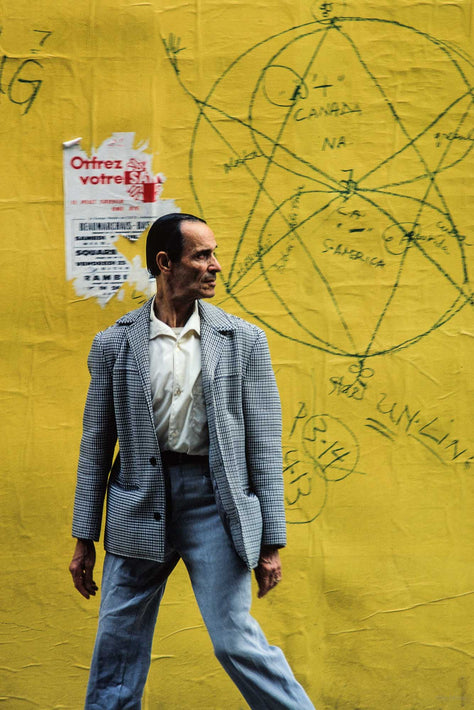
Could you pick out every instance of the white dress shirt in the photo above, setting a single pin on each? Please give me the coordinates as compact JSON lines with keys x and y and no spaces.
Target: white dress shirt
{"x":175,"y":372}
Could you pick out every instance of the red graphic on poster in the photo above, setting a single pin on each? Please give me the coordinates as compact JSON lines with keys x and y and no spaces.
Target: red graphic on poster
{"x":141,"y":185}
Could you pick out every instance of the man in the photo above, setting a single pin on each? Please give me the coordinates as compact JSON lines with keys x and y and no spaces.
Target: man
{"x":189,"y":393}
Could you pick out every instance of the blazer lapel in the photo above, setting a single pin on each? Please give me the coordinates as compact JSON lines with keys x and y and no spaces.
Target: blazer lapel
{"x":215,"y":329}
{"x":138,"y":334}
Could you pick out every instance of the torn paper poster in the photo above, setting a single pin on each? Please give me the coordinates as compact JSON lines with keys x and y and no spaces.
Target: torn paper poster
{"x":110,"y":195}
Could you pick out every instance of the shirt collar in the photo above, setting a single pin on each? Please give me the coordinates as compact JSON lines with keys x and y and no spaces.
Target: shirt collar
{"x":192,"y":325}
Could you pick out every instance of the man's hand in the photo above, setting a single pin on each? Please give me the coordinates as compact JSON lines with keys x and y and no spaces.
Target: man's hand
{"x":82,"y":566}
{"x":268,"y":570}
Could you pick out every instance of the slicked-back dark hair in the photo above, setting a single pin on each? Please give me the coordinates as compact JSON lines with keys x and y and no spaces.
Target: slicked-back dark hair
{"x":165,"y":235}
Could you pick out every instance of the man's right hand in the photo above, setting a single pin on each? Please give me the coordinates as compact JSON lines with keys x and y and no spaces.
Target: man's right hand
{"x":82,"y":566}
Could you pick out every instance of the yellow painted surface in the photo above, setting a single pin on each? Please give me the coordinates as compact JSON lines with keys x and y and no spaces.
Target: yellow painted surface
{"x":333,"y":158}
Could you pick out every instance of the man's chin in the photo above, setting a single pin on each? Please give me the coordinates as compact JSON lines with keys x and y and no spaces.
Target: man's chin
{"x":208,"y":291}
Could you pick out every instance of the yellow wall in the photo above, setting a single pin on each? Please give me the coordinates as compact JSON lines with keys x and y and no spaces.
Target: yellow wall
{"x":294,"y":133}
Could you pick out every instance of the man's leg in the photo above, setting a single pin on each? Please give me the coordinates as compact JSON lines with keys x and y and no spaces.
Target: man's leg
{"x":131,"y":594}
{"x":222,"y":585}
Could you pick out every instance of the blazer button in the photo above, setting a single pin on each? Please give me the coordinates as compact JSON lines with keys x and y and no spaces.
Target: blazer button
{"x":153,"y":461}
{"x":157,"y":516}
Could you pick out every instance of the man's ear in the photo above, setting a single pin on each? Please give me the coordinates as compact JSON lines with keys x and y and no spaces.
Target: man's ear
{"x":163,"y":261}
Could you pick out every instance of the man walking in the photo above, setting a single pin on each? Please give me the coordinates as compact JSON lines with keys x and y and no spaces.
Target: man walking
{"x":189,"y":393}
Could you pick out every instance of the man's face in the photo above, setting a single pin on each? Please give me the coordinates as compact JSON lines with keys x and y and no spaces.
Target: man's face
{"x":194,"y":276}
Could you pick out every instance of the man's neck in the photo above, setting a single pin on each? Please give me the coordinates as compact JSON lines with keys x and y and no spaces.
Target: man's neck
{"x":173,"y":313}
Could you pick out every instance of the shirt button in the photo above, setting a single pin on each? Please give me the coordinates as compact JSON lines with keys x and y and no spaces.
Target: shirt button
{"x":153,"y":461}
{"x":157,"y":516}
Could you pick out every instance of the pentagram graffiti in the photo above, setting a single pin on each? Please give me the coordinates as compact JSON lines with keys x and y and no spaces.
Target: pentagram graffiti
{"x":336,"y":173}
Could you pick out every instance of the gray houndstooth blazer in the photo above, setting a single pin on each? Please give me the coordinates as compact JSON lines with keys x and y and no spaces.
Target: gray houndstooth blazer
{"x":244,"y":418}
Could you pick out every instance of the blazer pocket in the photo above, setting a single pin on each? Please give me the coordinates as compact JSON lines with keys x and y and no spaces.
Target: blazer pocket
{"x":124,"y":485}
{"x":232,"y":380}
{"x":117,"y":480}
{"x":227,"y":368}
{"x":127,"y":378}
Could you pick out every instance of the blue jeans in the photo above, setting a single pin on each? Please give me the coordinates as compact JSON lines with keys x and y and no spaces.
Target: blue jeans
{"x":132,"y":590}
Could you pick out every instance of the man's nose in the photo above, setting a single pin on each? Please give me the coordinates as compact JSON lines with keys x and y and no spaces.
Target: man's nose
{"x":214,"y":264}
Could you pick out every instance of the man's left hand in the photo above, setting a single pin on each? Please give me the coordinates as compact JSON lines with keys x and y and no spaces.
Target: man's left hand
{"x":268,"y":570}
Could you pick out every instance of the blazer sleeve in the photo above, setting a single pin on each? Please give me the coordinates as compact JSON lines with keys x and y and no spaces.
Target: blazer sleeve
{"x":99,"y":437}
{"x":262,"y":416}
